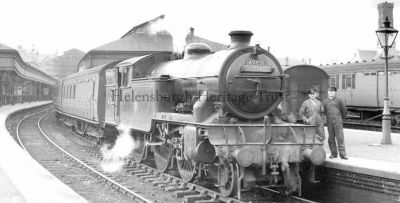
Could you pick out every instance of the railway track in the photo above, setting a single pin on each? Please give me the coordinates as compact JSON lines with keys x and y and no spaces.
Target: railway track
{"x":135,"y":181}
{"x":63,"y":167}
{"x":371,"y":125}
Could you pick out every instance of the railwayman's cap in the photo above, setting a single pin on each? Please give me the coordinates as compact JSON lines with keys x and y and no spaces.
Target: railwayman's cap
{"x":312,"y":91}
{"x":332,"y":89}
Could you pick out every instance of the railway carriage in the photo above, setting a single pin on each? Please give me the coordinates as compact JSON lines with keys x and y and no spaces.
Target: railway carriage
{"x":201,"y":111}
{"x":81,"y":99}
{"x":361,"y":86}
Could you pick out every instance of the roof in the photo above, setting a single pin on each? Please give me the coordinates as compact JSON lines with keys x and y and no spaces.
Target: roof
{"x":25,"y":69}
{"x":139,"y":39}
{"x":91,"y":71}
{"x":2,"y":46}
{"x":366,"y":55}
{"x":70,"y":57}
{"x":315,"y":68}
{"x":74,"y":52}
{"x":361,"y":66}
{"x":139,"y":42}
{"x":142,"y":27}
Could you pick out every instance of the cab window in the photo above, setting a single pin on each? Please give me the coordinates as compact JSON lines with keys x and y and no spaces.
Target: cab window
{"x":124,"y":76}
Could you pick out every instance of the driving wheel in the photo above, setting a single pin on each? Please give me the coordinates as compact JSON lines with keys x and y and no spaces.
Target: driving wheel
{"x":139,"y":151}
{"x":162,"y":156}
{"x":187,"y":169}
{"x":227,"y":179}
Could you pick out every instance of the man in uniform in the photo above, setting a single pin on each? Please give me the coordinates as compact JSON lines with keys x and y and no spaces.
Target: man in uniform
{"x":335,"y":111}
{"x":311,"y":113}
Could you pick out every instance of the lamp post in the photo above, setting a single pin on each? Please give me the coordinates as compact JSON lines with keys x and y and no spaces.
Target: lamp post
{"x":386,"y":37}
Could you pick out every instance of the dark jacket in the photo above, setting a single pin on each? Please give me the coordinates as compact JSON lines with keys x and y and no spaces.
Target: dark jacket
{"x":333,"y":107}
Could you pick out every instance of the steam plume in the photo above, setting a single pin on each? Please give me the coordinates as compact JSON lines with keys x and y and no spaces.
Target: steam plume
{"x":175,"y":28}
{"x":115,"y":158}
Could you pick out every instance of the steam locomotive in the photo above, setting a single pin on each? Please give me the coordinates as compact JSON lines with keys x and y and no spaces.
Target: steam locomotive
{"x":206,"y":110}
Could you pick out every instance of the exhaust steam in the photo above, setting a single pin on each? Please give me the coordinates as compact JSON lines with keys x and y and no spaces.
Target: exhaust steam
{"x":116,"y":156}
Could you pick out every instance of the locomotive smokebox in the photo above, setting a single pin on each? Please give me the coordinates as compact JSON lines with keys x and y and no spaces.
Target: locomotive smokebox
{"x":240,"y":38}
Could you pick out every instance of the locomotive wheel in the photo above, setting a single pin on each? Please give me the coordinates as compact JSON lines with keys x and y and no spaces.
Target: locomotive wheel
{"x":139,"y":151}
{"x":187,"y":169}
{"x":162,"y":156}
{"x":227,"y":179}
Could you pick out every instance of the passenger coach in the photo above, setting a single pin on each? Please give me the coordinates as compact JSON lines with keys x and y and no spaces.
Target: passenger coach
{"x":361,"y":85}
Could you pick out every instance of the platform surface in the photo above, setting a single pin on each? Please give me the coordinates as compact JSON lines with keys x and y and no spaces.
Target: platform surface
{"x":8,"y":191}
{"x":366,"y":155}
{"x":22,"y":179}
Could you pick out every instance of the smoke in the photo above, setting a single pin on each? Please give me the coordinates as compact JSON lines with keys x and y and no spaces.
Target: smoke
{"x":115,"y":158}
{"x":175,"y":28}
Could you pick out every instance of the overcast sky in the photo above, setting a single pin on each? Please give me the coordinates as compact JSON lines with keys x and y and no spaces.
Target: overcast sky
{"x":323,"y":30}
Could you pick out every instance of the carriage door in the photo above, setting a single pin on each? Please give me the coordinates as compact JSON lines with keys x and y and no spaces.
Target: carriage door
{"x":113,"y":82}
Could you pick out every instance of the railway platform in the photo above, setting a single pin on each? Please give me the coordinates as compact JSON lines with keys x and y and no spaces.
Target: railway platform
{"x":363,"y":148}
{"x":362,"y":144}
{"x":371,"y":174}
{"x":22,"y":179}
{"x":366,"y":155}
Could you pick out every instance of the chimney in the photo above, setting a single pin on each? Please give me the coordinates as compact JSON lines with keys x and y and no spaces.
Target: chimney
{"x":240,"y":38}
{"x":191,"y":31}
{"x":385,"y":9}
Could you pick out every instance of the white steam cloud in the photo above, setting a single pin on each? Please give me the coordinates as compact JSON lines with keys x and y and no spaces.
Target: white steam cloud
{"x":115,"y":158}
{"x":175,"y":27}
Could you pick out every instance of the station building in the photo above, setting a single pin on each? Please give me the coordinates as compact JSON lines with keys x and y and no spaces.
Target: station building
{"x":64,"y":65}
{"x":21,"y":81}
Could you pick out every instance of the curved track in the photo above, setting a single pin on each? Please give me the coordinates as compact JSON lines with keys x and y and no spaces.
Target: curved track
{"x":58,"y":161}
{"x":146,"y":175}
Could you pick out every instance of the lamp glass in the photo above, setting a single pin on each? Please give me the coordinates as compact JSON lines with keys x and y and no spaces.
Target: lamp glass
{"x":386,"y":36}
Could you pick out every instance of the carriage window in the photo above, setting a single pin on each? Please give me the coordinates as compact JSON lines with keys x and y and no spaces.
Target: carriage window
{"x":395,"y":73}
{"x":334,"y":81}
{"x":344,"y":81}
{"x":373,"y":73}
{"x":366,"y":74}
{"x":349,"y":81}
